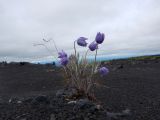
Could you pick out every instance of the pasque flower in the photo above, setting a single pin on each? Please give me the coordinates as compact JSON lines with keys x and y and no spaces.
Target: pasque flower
{"x":64,"y":61}
{"x":82,"y":41}
{"x":100,"y":37}
{"x":63,"y":58}
{"x":62,"y":54}
{"x":93,"y":46}
{"x":103,"y":71}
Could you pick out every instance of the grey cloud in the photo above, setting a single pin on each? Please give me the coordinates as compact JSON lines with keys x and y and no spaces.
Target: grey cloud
{"x":130,"y":26}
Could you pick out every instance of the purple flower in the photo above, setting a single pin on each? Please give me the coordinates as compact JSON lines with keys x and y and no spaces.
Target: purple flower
{"x":103,"y":71}
{"x":63,"y":58}
{"x":100,"y":37}
{"x":93,"y":46}
{"x":62,"y":54}
{"x":64,"y":61}
{"x":82,"y":41}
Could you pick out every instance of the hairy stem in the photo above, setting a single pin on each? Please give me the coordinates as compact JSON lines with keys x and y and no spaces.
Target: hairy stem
{"x":75,"y":48}
{"x":95,"y":60}
{"x":76,"y":62}
{"x":85,"y":57}
{"x":91,"y":81}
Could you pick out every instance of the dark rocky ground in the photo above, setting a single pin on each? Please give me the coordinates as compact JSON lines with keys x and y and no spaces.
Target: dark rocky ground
{"x":131,"y":91}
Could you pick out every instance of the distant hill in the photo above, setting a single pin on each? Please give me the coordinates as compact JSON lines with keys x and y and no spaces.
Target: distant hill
{"x":151,"y":57}
{"x":101,"y":59}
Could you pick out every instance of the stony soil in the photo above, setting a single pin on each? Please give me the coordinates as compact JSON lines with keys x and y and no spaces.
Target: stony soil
{"x":131,"y":91}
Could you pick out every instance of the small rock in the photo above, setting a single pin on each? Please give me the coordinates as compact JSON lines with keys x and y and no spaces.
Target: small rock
{"x":92,"y":117}
{"x":60,"y":93}
{"x":98,"y":107}
{"x":93,"y":109}
{"x":120,"y":66}
{"x":28,"y":100}
{"x":86,"y":118}
{"x":19,"y":102}
{"x":83,"y":103}
{"x":10,"y":100}
{"x":13,"y":100}
{"x":52,"y":117}
{"x":116,"y":115}
{"x":126,"y":112}
{"x":111,"y":115}
{"x":72,"y":102}
{"x":70,"y":92}
{"x":40,"y":99}
{"x":23,"y":119}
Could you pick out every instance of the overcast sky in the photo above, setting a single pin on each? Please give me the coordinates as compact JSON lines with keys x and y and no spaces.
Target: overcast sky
{"x":132,"y":27}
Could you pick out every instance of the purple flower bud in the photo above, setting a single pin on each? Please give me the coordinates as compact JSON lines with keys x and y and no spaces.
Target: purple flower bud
{"x":103,"y":71}
{"x":82,"y":41}
{"x":62,"y":54}
{"x":93,"y":46}
{"x":64,"y":61}
{"x":100,"y":37}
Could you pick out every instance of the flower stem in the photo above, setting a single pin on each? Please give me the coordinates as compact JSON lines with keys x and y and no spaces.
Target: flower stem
{"x":93,"y":70}
{"x":86,"y":54}
{"x":95,"y":60}
{"x":75,"y":48}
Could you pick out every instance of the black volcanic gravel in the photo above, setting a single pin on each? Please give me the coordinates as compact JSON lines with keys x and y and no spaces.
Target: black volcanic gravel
{"x":131,"y":86}
{"x":52,"y":108}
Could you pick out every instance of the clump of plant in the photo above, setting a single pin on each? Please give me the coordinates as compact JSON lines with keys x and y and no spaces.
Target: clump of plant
{"x":79,"y":72}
